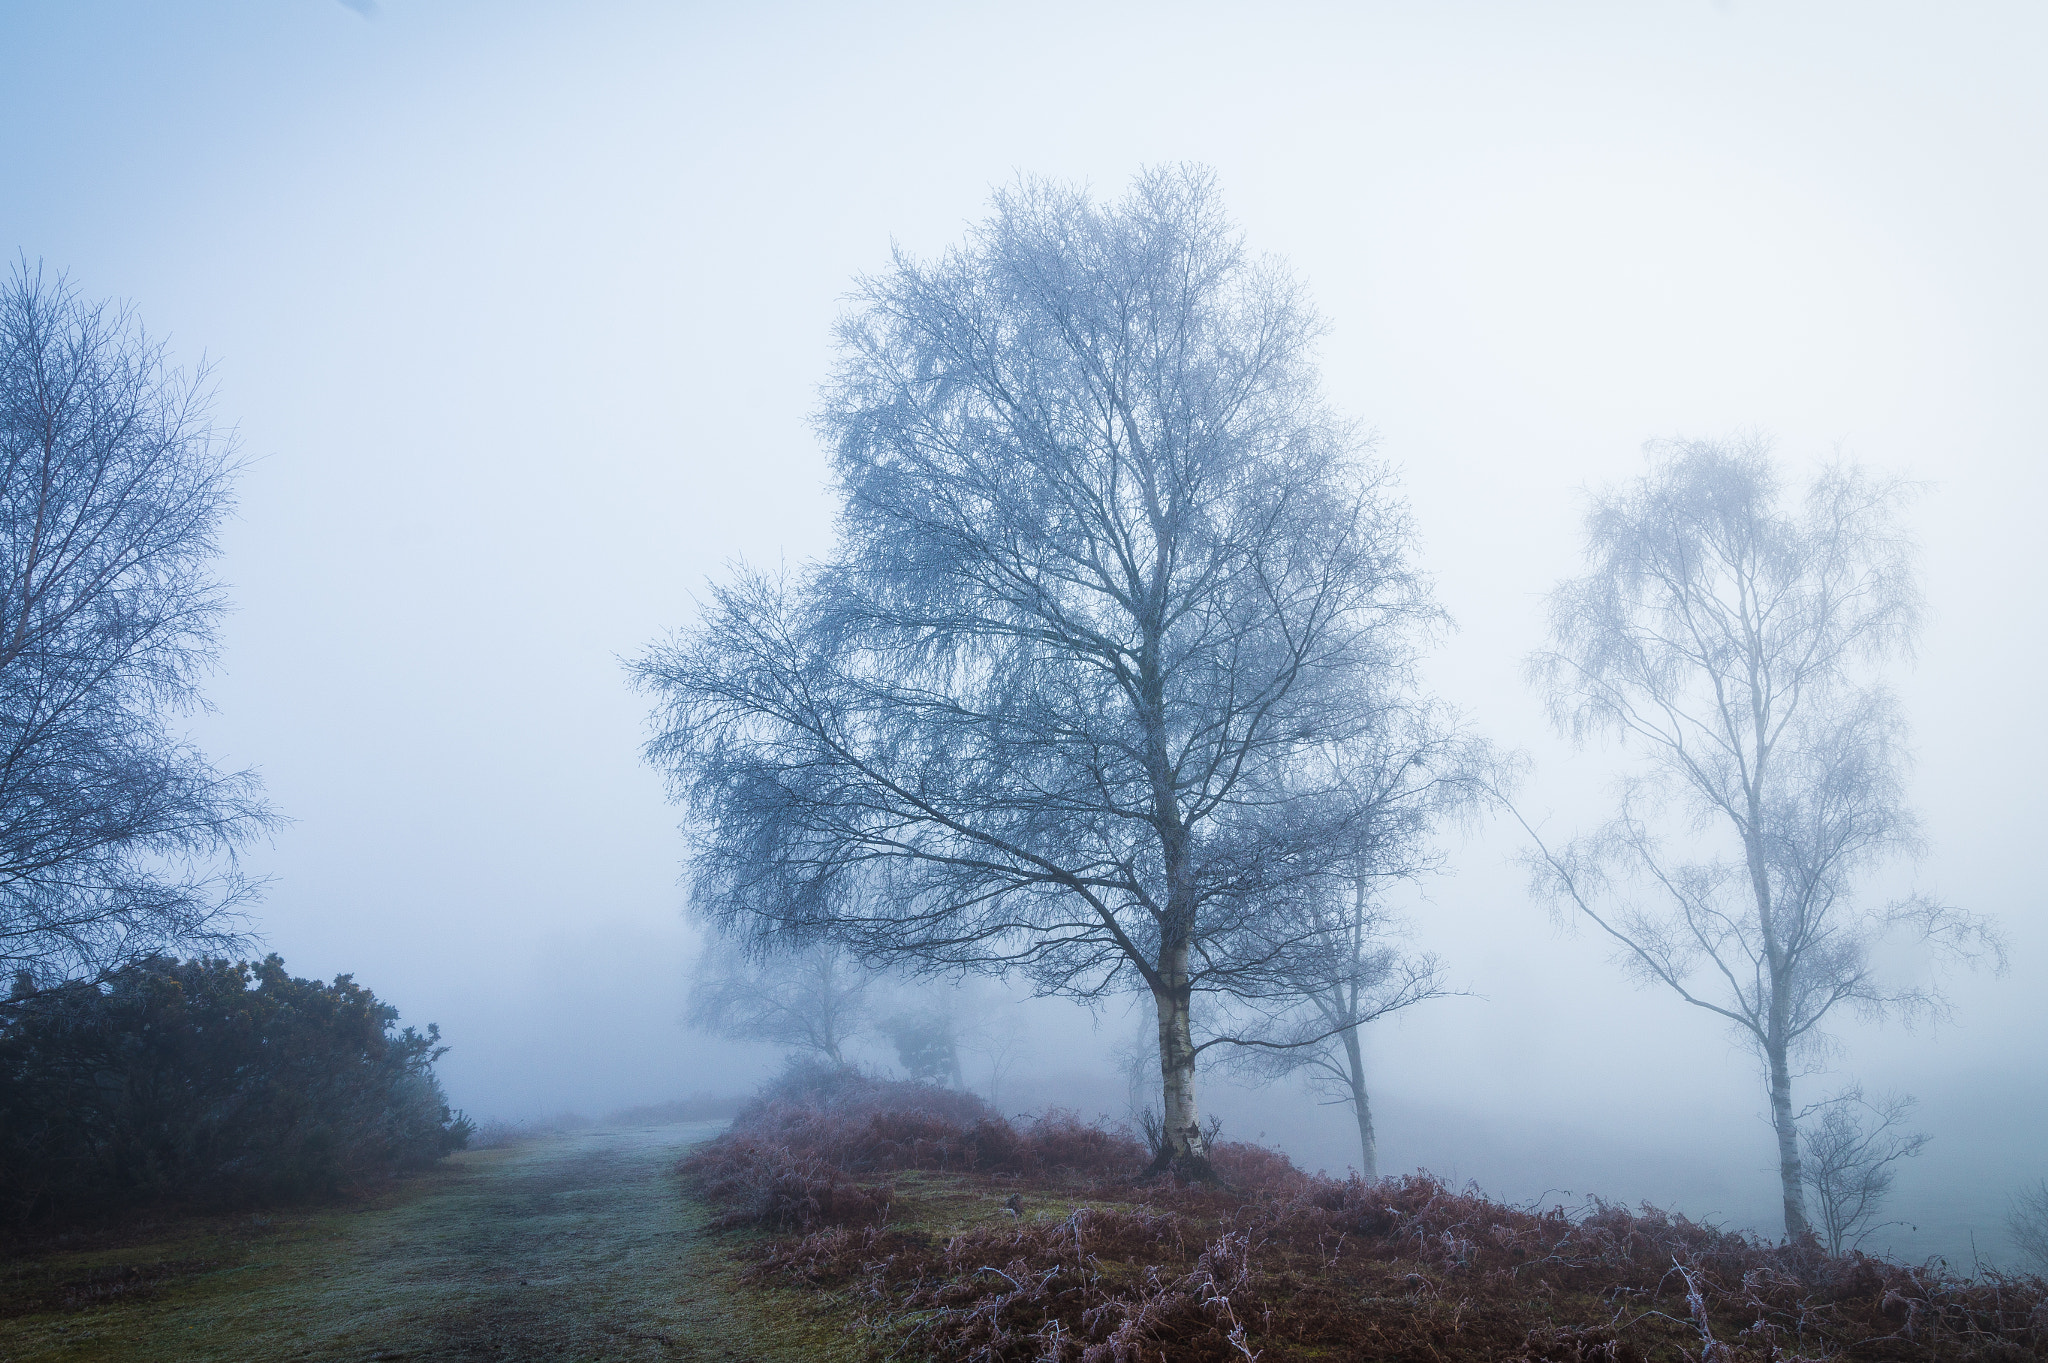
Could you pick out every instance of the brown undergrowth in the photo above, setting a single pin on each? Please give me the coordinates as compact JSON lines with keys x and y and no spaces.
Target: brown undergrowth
{"x":1088,"y":1263}
{"x":795,"y":1157}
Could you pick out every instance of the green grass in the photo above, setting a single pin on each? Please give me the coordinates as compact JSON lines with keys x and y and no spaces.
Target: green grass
{"x":570,"y":1247}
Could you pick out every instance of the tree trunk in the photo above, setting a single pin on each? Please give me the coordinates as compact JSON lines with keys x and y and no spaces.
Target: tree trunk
{"x":1368,"y":1143}
{"x":1774,"y":1039}
{"x":1788,"y":1145}
{"x":1181,"y":1147}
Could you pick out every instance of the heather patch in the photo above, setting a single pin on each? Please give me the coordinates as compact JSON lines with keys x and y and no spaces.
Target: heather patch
{"x":998,"y":1251}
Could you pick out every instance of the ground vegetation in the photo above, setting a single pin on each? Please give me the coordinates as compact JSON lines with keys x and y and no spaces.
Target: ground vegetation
{"x":940,"y":1246}
{"x":570,"y":1246}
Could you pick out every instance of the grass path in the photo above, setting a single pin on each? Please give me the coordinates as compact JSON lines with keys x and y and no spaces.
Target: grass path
{"x":570,"y":1247}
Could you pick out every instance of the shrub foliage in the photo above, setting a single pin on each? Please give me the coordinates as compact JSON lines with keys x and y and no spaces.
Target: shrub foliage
{"x":209,"y":1081}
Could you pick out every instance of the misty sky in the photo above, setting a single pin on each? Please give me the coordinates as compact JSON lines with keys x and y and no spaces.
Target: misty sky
{"x":521,"y":308}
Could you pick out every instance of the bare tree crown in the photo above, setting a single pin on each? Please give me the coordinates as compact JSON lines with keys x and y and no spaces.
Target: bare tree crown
{"x":116,"y":836}
{"x":1109,"y":569}
{"x":1726,"y":637}
{"x":813,"y":999}
{"x":1107,"y":565}
{"x":1730,"y":633}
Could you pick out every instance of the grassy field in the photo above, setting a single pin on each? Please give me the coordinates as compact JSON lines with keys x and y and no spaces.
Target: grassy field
{"x":569,"y":1247}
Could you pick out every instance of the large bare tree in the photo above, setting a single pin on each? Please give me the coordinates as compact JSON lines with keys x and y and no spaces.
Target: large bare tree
{"x":116,"y":835}
{"x":1729,"y":631}
{"x":1109,"y":570}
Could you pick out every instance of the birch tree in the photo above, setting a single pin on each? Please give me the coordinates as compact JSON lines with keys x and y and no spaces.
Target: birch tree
{"x":1108,"y":568}
{"x":117,"y":836}
{"x":1344,"y":964}
{"x":1731,"y":632}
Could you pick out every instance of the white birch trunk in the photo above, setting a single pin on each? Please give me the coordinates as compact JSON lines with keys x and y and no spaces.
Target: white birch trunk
{"x":1361,"y":1106}
{"x":1789,"y":1172}
{"x":1181,"y":1142}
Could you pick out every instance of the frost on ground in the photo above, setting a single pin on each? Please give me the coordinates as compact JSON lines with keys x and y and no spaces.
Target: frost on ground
{"x":567,"y":1246}
{"x":961,"y":1237}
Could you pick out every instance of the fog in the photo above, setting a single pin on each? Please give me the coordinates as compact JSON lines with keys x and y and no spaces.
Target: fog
{"x":521,"y":311}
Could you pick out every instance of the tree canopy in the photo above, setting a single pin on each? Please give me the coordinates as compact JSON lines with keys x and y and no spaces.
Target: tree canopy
{"x":1110,"y":575}
{"x":1729,"y":629}
{"x":117,"y":836}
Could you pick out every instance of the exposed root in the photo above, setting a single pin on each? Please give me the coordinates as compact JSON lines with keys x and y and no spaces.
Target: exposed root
{"x":1183,"y":1168}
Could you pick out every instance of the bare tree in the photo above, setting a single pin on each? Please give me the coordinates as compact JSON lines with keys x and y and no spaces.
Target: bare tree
{"x":1728,"y":635}
{"x":117,"y":837}
{"x":1342,"y":965}
{"x":1365,"y":978}
{"x":811,"y":998}
{"x":1108,"y":570}
{"x":1848,"y":1150}
{"x":2027,"y":1223}
{"x":981,"y":1023}
{"x":1002,"y":1048}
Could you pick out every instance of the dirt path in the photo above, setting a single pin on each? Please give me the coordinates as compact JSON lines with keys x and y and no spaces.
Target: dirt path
{"x":570,"y":1247}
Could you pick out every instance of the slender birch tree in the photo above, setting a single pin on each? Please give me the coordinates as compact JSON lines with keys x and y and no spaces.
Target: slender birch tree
{"x":1108,"y":569}
{"x":1730,"y":632}
{"x":1344,"y":964}
{"x":1848,"y":1146}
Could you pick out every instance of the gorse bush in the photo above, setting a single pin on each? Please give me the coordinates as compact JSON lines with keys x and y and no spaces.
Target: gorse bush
{"x":209,"y":1081}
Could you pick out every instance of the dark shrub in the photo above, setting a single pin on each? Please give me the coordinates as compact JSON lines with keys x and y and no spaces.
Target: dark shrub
{"x":1248,"y":1168}
{"x":209,"y":1081}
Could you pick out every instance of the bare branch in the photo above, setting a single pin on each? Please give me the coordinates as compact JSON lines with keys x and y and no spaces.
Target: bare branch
{"x":1110,"y":573}
{"x":117,"y":838}
{"x":1727,"y":631}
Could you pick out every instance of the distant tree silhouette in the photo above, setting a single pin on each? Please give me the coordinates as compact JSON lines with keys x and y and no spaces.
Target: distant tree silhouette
{"x":927,"y":1042}
{"x":1727,"y":631}
{"x":1848,"y":1147}
{"x":1338,"y":962}
{"x":2027,"y":1223}
{"x":812,"y":999}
